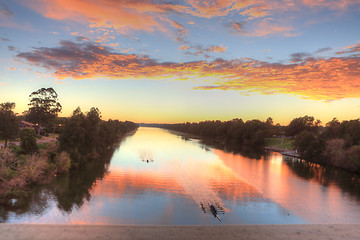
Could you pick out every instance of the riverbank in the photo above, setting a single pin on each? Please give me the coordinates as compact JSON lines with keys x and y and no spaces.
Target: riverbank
{"x":249,"y":232}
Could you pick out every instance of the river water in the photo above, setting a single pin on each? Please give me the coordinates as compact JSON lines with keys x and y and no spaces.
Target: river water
{"x":158,"y":177}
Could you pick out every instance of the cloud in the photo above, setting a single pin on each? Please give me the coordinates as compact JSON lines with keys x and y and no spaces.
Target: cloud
{"x":5,"y":39}
{"x":350,"y":49}
{"x":11,"y":68}
{"x":331,"y":4}
{"x":184,"y":47}
{"x":299,"y":57}
{"x":199,"y":50}
{"x":321,"y":50}
{"x":262,"y":28}
{"x":122,"y":15}
{"x":218,"y":49}
{"x":5,"y":12}
{"x":237,"y":27}
{"x":11,"y":48}
{"x":7,"y":20}
{"x":126,"y":16}
{"x":267,"y":27}
{"x":319,"y":79}
{"x":256,"y":12}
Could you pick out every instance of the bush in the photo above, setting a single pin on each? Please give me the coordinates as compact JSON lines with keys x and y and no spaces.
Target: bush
{"x":35,"y":168}
{"x":335,"y":152}
{"x":28,"y":140}
{"x":8,"y":158}
{"x":62,"y":163}
{"x":353,"y":156}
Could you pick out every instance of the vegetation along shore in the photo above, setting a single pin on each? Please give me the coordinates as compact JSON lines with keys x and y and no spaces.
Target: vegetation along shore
{"x":336,"y":144}
{"x":76,"y":141}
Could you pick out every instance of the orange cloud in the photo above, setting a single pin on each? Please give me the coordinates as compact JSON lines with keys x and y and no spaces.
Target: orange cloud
{"x":350,"y":49}
{"x":256,"y":12}
{"x":308,"y":77}
{"x":217,"y":49}
{"x":147,"y":15}
{"x":122,"y":15}
{"x":332,"y":4}
{"x":183,"y":47}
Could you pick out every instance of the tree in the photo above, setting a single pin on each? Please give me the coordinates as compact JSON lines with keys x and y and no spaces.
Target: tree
{"x":310,"y":146}
{"x":44,"y":107}
{"x":332,"y":128}
{"x":8,"y":123}
{"x":297,"y":125}
{"x":28,"y":140}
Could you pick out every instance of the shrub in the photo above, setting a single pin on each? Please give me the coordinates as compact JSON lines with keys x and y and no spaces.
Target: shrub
{"x":28,"y":140}
{"x":62,"y":163}
{"x":35,"y":168}
{"x":8,"y":158}
{"x":353,"y":156}
{"x":335,"y":152}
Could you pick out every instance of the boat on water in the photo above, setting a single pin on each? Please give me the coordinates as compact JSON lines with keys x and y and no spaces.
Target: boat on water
{"x":214,"y":211}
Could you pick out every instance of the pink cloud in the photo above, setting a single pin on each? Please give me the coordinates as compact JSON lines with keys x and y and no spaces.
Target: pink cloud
{"x":308,"y":77}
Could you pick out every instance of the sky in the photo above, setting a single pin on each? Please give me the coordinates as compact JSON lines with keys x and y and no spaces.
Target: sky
{"x":158,"y":61}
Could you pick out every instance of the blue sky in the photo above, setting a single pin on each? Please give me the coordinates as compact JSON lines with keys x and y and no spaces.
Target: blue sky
{"x":176,"y":61}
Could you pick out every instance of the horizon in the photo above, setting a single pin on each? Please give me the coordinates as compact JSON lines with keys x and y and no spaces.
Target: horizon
{"x":185,"y":61}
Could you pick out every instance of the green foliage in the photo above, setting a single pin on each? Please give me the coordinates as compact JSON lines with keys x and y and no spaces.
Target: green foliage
{"x":310,"y":146}
{"x":335,"y":153}
{"x":300,"y":124}
{"x":28,"y":140}
{"x":353,"y":156}
{"x":350,"y":132}
{"x":8,"y":122}
{"x":44,"y":106}
{"x":252,"y":133}
{"x":86,"y":136}
{"x":332,"y":129}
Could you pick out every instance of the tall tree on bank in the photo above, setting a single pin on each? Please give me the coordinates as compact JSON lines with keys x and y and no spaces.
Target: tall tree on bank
{"x":44,"y":107}
{"x":8,"y":122}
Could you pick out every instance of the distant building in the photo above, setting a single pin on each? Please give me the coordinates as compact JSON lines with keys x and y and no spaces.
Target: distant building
{"x":25,"y":124}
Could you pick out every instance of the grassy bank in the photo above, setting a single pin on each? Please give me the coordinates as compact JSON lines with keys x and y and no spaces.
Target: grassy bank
{"x":281,"y":143}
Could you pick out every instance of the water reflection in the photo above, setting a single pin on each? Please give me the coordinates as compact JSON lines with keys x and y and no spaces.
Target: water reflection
{"x":326,"y":176}
{"x":156,"y":177}
{"x":69,"y":191}
{"x":314,"y":196}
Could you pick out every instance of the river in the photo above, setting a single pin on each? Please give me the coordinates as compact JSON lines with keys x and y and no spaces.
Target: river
{"x":157,"y":177}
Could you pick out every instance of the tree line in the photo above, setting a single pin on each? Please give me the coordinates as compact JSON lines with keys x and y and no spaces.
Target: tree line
{"x":336,"y":143}
{"x":251,"y":133}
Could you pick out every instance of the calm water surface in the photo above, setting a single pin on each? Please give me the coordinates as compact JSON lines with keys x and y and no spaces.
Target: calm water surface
{"x":157,"y":177}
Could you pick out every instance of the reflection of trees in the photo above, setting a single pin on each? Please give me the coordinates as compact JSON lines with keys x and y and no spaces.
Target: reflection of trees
{"x":233,"y":147}
{"x":35,"y":202}
{"x":70,"y":190}
{"x":74,"y":189}
{"x":325,"y":175}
